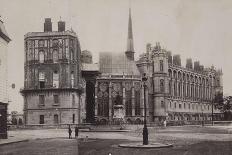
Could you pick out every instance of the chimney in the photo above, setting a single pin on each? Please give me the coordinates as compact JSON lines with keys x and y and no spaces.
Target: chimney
{"x":189,"y":63}
{"x":196,"y":65}
{"x":176,"y":60}
{"x":169,"y":53}
{"x":48,"y":25}
{"x":61,"y":26}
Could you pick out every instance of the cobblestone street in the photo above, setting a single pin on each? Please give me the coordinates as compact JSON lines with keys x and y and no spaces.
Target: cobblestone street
{"x":186,"y":140}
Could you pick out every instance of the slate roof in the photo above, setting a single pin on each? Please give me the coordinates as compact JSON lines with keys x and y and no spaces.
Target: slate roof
{"x":117,"y":64}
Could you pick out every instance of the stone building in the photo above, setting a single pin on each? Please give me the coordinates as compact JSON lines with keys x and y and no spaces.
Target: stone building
{"x":52,"y":81}
{"x":178,"y":93}
{"x":64,"y":86}
{"x":4,"y":40}
{"x":172,"y":92}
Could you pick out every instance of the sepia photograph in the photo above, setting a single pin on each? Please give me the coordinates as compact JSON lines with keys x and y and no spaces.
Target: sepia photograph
{"x":115,"y":77}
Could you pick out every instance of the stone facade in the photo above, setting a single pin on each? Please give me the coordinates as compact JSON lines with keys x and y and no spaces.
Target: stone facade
{"x":4,"y":40}
{"x":172,"y":92}
{"x":177,"y":93}
{"x":52,"y":87}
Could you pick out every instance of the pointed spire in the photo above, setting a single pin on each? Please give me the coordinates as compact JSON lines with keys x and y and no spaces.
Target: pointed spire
{"x":130,"y":43}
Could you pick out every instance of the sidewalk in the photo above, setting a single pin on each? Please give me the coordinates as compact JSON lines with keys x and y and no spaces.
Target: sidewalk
{"x":11,"y":140}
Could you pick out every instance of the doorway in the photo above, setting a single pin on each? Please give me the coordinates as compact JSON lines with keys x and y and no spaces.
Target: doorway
{"x":90,"y":101}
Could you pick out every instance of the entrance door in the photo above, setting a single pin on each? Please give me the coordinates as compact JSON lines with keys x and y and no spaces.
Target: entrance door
{"x":55,"y":119}
{"x":90,"y":101}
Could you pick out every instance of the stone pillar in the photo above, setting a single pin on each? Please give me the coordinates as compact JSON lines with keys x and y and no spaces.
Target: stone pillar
{"x":133,"y":99}
{"x":110,"y":101}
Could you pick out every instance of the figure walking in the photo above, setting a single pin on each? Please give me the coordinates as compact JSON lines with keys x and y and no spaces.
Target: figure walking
{"x":76,"y":132}
{"x":70,"y":132}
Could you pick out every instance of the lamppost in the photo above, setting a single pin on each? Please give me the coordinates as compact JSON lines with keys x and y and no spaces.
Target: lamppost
{"x":145,"y":131}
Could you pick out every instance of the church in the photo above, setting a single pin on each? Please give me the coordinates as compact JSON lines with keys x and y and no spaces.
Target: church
{"x":63,"y":86}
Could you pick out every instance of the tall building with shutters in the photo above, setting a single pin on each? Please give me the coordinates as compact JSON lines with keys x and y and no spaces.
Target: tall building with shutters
{"x":52,"y":82}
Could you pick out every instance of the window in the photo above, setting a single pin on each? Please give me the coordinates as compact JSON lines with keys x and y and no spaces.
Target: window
{"x":41,"y":119}
{"x":184,"y":105}
{"x":55,"y":79}
{"x":41,"y":100}
{"x":60,"y":53}
{"x":56,"y":99}
{"x":170,"y":104}
{"x":56,"y":119}
{"x":162,"y":104}
{"x":41,"y":57}
{"x":162,"y":85}
{"x":175,"y":105}
{"x":170,"y":87}
{"x":41,"y":80}
{"x":41,"y":43}
{"x":71,"y":55}
{"x":161,"y":65}
{"x":73,"y":119}
{"x":73,"y":99}
{"x":180,"y":106}
{"x":55,"y":56}
{"x":72,"y":79}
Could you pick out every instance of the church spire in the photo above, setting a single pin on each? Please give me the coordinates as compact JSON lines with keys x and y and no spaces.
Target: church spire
{"x":130,"y":44}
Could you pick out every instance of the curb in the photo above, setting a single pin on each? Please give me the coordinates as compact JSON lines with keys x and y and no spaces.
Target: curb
{"x":13,"y":142}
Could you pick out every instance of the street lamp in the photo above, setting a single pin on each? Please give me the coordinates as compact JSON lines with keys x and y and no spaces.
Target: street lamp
{"x":145,"y":131}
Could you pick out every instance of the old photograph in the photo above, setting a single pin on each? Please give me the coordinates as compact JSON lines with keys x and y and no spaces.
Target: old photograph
{"x":115,"y":77}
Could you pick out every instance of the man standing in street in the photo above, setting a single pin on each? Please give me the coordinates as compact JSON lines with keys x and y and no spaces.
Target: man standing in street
{"x":69,"y":132}
{"x":76,"y":132}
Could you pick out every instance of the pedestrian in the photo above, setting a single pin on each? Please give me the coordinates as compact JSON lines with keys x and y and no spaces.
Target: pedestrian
{"x":76,"y":132}
{"x":70,"y":132}
{"x":165,"y":123}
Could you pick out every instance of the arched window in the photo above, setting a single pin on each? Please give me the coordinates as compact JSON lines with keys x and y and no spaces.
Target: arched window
{"x":162,"y":104}
{"x":175,"y":90}
{"x":170,"y":87}
{"x":71,"y":55}
{"x":179,"y":89}
{"x":41,"y":57}
{"x":55,"y":56}
{"x":55,"y":79}
{"x":162,"y":85}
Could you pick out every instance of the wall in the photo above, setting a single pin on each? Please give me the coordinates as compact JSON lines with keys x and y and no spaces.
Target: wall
{"x":3,"y":71}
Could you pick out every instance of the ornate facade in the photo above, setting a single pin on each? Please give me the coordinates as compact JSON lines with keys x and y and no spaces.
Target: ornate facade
{"x":172,"y":92}
{"x":179,"y":93}
{"x":52,"y":86}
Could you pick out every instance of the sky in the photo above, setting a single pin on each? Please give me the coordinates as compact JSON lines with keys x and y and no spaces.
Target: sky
{"x":195,"y":29}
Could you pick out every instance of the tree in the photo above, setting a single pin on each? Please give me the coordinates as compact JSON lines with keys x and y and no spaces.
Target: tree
{"x":224,"y":104}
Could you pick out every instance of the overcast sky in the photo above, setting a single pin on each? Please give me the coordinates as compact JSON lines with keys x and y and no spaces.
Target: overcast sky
{"x":192,"y":28}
